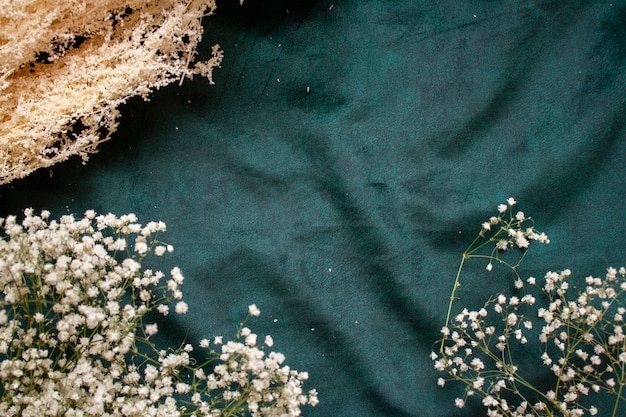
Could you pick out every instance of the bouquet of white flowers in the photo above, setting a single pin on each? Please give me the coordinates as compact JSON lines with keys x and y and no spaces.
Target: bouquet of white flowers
{"x":75,"y":334}
{"x":579,"y":332}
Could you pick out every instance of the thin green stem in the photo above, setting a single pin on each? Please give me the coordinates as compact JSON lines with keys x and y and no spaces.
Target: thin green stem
{"x":457,"y":284}
{"x":618,"y":397}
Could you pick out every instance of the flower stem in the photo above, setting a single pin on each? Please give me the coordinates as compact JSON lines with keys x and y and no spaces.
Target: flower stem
{"x":457,"y":284}
{"x":618,"y":397}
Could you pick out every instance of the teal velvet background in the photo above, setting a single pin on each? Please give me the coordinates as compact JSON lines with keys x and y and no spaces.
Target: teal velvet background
{"x":344,"y":159}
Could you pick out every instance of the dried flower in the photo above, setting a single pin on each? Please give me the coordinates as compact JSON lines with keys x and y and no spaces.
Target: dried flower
{"x":67,"y":65}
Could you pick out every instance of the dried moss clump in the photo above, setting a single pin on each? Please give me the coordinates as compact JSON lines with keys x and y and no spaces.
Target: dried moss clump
{"x":67,"y":65}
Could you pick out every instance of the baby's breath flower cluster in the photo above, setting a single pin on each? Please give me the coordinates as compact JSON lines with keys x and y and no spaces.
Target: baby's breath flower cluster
{"x":579,"y":332}
{"x":75,"y":333}
{"x":249,"y":379}
{"x":505,"y":232}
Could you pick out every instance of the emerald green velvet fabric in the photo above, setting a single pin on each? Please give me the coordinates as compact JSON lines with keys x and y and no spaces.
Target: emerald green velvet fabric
{"x":344,"y":159}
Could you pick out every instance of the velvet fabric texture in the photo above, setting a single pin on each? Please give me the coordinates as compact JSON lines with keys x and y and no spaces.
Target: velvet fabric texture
{"x":344,"y":159}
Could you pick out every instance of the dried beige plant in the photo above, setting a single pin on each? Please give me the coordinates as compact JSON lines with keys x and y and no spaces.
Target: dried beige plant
{"x":67,"y":65}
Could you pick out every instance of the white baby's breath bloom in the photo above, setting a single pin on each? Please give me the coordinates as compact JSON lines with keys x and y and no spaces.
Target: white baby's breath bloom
{"x":490,"y":401}
{"x":181,"y":307}
{"x":478,"y":382}
{"x":177,"y":275}
{"x":253,"y":310}
{"x":313,"y":400}
{"x":182,"y":388}
{"x":521,"y":241}
{"x":251,"y":339}
{"x":141,"y":247}
{"x":151,"y":329}
{"x":477,"y":364}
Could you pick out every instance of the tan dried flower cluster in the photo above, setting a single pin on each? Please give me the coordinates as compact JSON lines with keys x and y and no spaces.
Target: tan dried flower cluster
{"x":67,"y":65}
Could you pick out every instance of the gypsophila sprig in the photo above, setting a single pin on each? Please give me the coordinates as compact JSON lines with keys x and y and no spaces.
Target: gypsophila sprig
{"x":75,"y":339}
{"x":578,"y":332}
{"x":507,"y":231}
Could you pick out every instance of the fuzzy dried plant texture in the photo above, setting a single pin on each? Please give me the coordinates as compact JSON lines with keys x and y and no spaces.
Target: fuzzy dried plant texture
{"x":67,"y":65}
